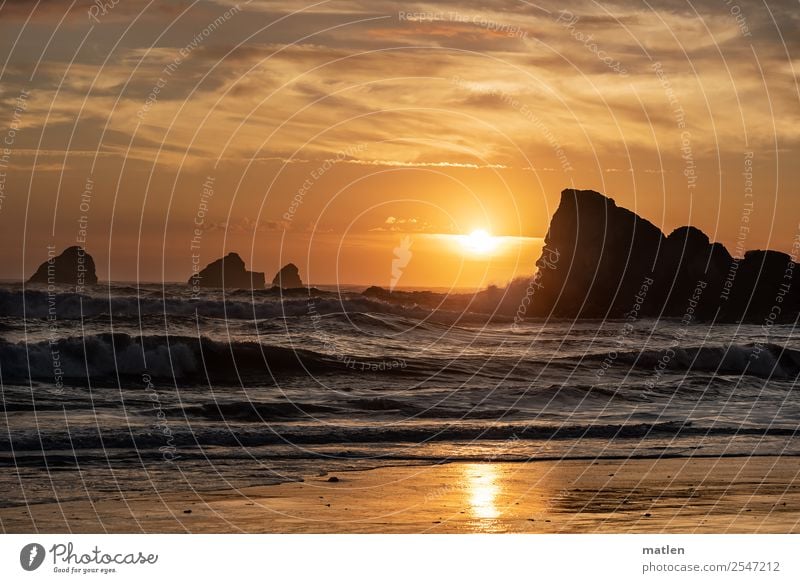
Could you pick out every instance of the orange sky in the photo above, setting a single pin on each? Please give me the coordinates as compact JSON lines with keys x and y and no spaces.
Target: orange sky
{"x":330,"y":131}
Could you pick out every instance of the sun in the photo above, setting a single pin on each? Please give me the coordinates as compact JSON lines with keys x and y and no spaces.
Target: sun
{"x":478,"y":241}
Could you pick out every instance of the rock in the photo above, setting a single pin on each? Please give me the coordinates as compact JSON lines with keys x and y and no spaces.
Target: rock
{"x":333,"y":479}
{"x":601,"y":260}
{"x":228,"y":272}
{"x":595,"y":258}
{"x":288,"y":277}
{"x":688,"y":257}
{"x":766,"y":288}
{"x":73,"y":267}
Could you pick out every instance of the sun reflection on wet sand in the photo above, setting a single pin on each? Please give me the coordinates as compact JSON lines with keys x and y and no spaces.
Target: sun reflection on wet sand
{"x":483,"y":490}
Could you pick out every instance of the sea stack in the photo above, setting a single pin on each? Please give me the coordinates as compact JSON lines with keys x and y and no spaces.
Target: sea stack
{"x":288,"y":277}
{"x":604,"y":261}
{"x":73,"y":267}
{"x":228,"y":272}
{"x":596,"y":257}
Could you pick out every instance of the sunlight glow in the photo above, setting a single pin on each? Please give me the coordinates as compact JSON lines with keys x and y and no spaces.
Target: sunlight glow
{"x":483,"y":490}
{"x":479,"y":241}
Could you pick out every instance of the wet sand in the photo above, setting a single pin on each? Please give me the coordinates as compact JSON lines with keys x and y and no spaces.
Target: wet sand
{"x":709,"y":495}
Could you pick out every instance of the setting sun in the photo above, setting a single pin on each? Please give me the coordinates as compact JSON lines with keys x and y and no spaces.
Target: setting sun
{"x":479,"y":241}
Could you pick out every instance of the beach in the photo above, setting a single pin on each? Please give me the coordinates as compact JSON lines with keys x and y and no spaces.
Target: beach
{"x":678,"y":495}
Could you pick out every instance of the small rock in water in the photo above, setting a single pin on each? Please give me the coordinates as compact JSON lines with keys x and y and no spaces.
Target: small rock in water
{"x":187,"y":511}
{"x":333,"y":479}
{"x":647,"y":515}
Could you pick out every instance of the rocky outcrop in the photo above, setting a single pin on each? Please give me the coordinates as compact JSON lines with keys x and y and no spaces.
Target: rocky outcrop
{"x":765,"y":288}
{"x":596,"y":257}
{"x":288,"y":277}
{"x":228,"y":272}
{"x":73,"y":267}
{"x":601,"y":260}
{"x":689,"y":257}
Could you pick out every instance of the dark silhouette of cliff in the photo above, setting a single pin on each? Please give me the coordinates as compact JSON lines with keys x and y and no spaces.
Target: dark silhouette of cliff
{"x":73,"y":267}
{"x":288,"y":277}
{"x":228,"y":272}
{"x":601,"y":260}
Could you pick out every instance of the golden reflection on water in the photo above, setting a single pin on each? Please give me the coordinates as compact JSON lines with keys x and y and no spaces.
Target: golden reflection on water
{"x":482,"y":488}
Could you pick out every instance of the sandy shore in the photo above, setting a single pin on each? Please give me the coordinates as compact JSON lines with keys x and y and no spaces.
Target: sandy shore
{"x":712,"y":495}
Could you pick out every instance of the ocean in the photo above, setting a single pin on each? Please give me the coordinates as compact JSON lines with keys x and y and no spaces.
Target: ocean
{"x":124,"y":389}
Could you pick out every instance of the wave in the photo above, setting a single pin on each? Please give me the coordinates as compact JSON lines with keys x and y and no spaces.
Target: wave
{"x":754,"y":359}
{"x":250,"y":411}
{"x":381,"y":404}
{"x":106,"y":357}
{"x":302,"y":434}
{"x":74,"y":306}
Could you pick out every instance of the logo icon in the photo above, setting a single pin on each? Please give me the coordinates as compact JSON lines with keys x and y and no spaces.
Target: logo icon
{"x":402,"y":255}
{"x":31,"y":556}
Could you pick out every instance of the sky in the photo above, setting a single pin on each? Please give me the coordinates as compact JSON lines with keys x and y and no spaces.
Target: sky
{"x":339,"y":135}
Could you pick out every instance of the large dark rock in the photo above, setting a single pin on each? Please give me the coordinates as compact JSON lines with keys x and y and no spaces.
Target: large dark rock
{"x":288,"y":277}
{"x":766,"y":287}
{"x":596,"y":257}
{"x":688,"y":257}
{"x":228,"y":272}
{"x":601,"y":260}
{"x":73,"y":267}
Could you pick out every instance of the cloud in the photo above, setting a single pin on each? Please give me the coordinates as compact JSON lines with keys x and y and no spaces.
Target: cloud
{"x":273,"y":83}
{"x":394,"y":224}
{"x":247,"y":225}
